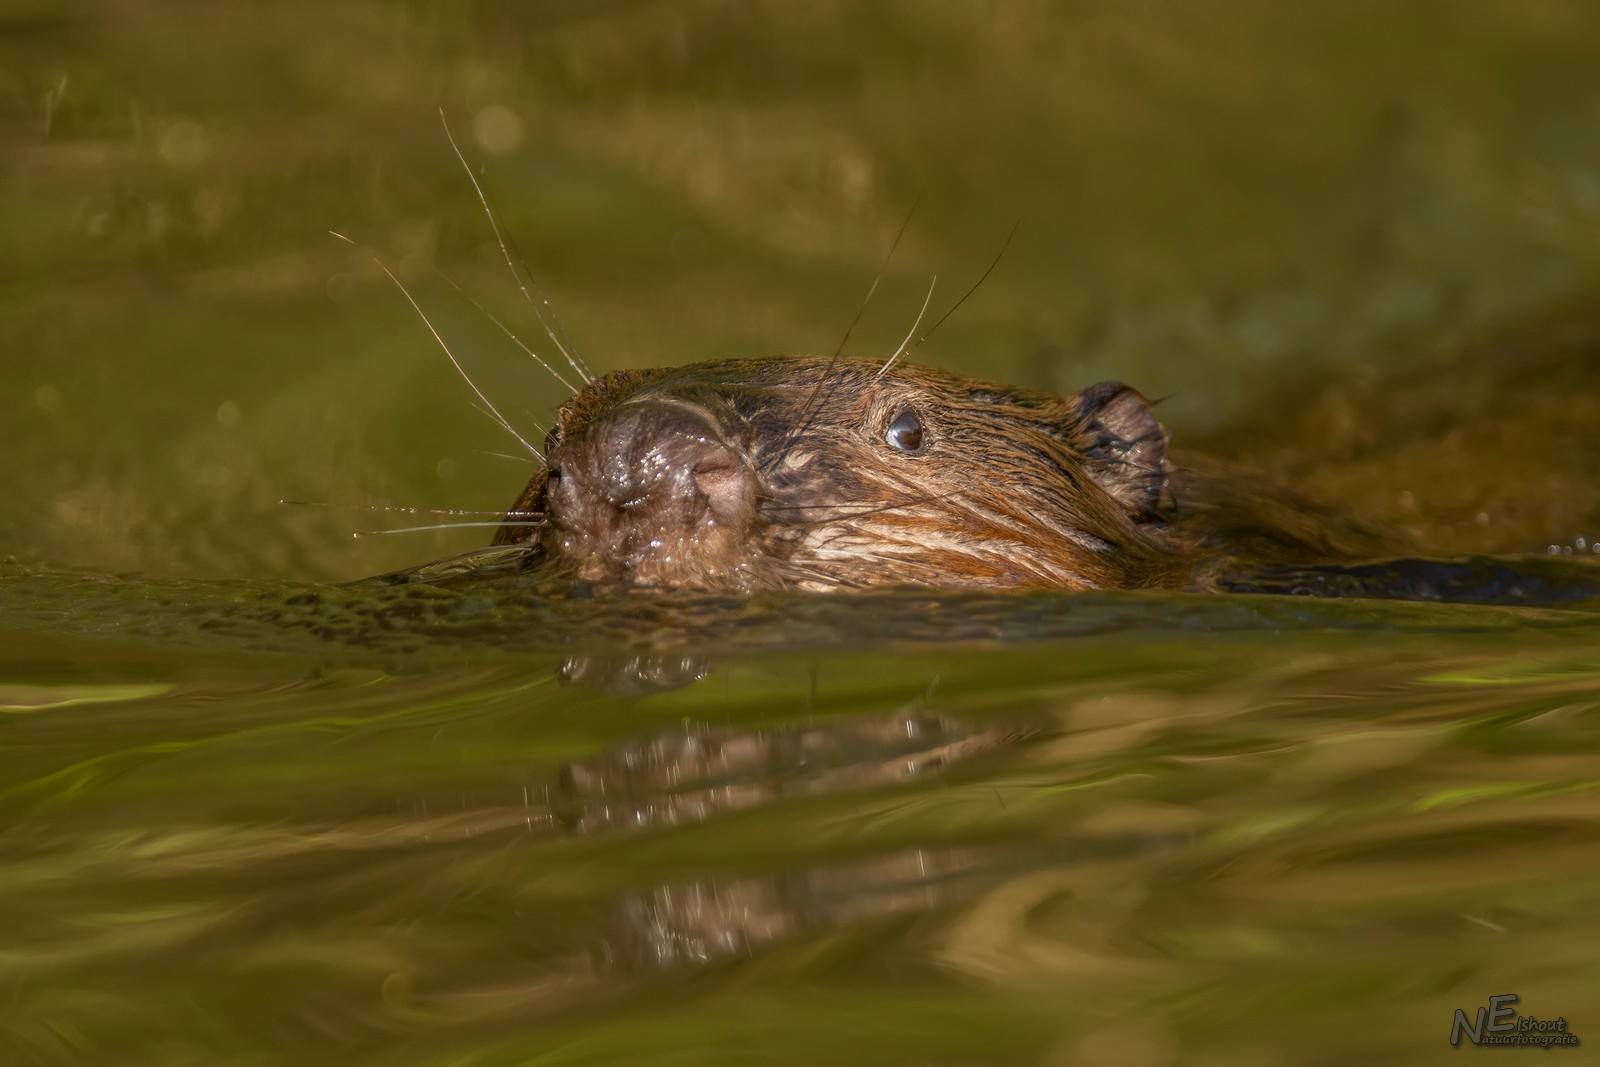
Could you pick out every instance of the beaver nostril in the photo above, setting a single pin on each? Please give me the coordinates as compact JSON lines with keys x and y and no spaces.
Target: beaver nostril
{"x":726,"y":485}
{"x":648,"y":468}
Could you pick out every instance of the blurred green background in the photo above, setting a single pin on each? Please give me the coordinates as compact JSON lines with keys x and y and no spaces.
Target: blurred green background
{"x":1354,"y":244}
{"x":1230,"y":204}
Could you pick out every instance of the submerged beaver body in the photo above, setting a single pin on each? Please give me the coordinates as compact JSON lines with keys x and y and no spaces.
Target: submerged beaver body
{"x":816,"y":474}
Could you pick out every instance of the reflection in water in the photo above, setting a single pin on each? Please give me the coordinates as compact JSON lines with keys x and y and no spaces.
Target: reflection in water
{"x":689,"y":776}
{"x":634,"y":675}
{"x":1237,"y":828}
{"x":702,"y":922}
{"x":681,"y":925}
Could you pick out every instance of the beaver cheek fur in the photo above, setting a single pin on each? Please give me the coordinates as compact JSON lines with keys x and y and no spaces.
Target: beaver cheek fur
{"x":651,"y":494}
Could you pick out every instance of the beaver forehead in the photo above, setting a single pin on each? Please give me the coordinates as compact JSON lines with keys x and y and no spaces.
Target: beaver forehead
{"x":795,"y":376}
{"x":788,"y":386}
{"x":813,"y":426}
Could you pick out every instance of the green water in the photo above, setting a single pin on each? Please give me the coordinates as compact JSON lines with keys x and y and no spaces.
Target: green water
{"x":1181,"y":829}
{"x":250,"y":814}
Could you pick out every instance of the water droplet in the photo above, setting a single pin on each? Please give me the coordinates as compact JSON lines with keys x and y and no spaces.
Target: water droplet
{"x":497,"y":129}
{"x":183,"y":144}
{"x":228,"y":414}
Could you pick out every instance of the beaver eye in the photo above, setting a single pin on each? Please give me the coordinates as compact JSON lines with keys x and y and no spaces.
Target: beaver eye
{"x":905,"y":432}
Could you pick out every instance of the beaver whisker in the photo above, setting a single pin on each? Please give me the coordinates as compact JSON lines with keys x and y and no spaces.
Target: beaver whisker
{"x":505,"y":455}
{"x":507,"y":331}
{"x":511,"y":264}
{"x":998,"y":256}
{"x":814,"y":402}
{"x":567,"y":347}
{"x":414,"y":509}
{"x":907,"y":568}
{"x":799,"y":507}
{"x":848,"y":517}
{"x":994,"y":519}
{"x":494,"y":416}
{"x":440,"y":526}
{"x":862,"y":513}
{"x":920,"y":562}
{"x":793,"y":574}
{"x":901,"y":350}
{"x":454,"y":362}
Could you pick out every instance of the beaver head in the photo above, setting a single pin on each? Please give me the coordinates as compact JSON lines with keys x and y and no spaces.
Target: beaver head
{"x":815,"y":474}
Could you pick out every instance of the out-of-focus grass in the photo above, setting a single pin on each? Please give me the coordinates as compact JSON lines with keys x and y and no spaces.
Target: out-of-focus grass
{"x":1218,"y":201}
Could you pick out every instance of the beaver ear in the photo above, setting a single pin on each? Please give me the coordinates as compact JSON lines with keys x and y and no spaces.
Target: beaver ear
{"x":1124,"y":447}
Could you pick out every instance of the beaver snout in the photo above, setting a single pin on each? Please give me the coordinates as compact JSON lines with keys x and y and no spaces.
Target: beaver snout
{"x":651,"y":484}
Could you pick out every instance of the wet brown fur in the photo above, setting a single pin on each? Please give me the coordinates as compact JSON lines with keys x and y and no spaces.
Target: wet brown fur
{"x":1012,"y":489}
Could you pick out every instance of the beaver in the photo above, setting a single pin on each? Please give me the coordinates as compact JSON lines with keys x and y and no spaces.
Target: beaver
{"x":818,"y":474}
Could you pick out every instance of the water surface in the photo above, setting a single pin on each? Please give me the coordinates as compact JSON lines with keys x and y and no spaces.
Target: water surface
{"x":1127,"y":828}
